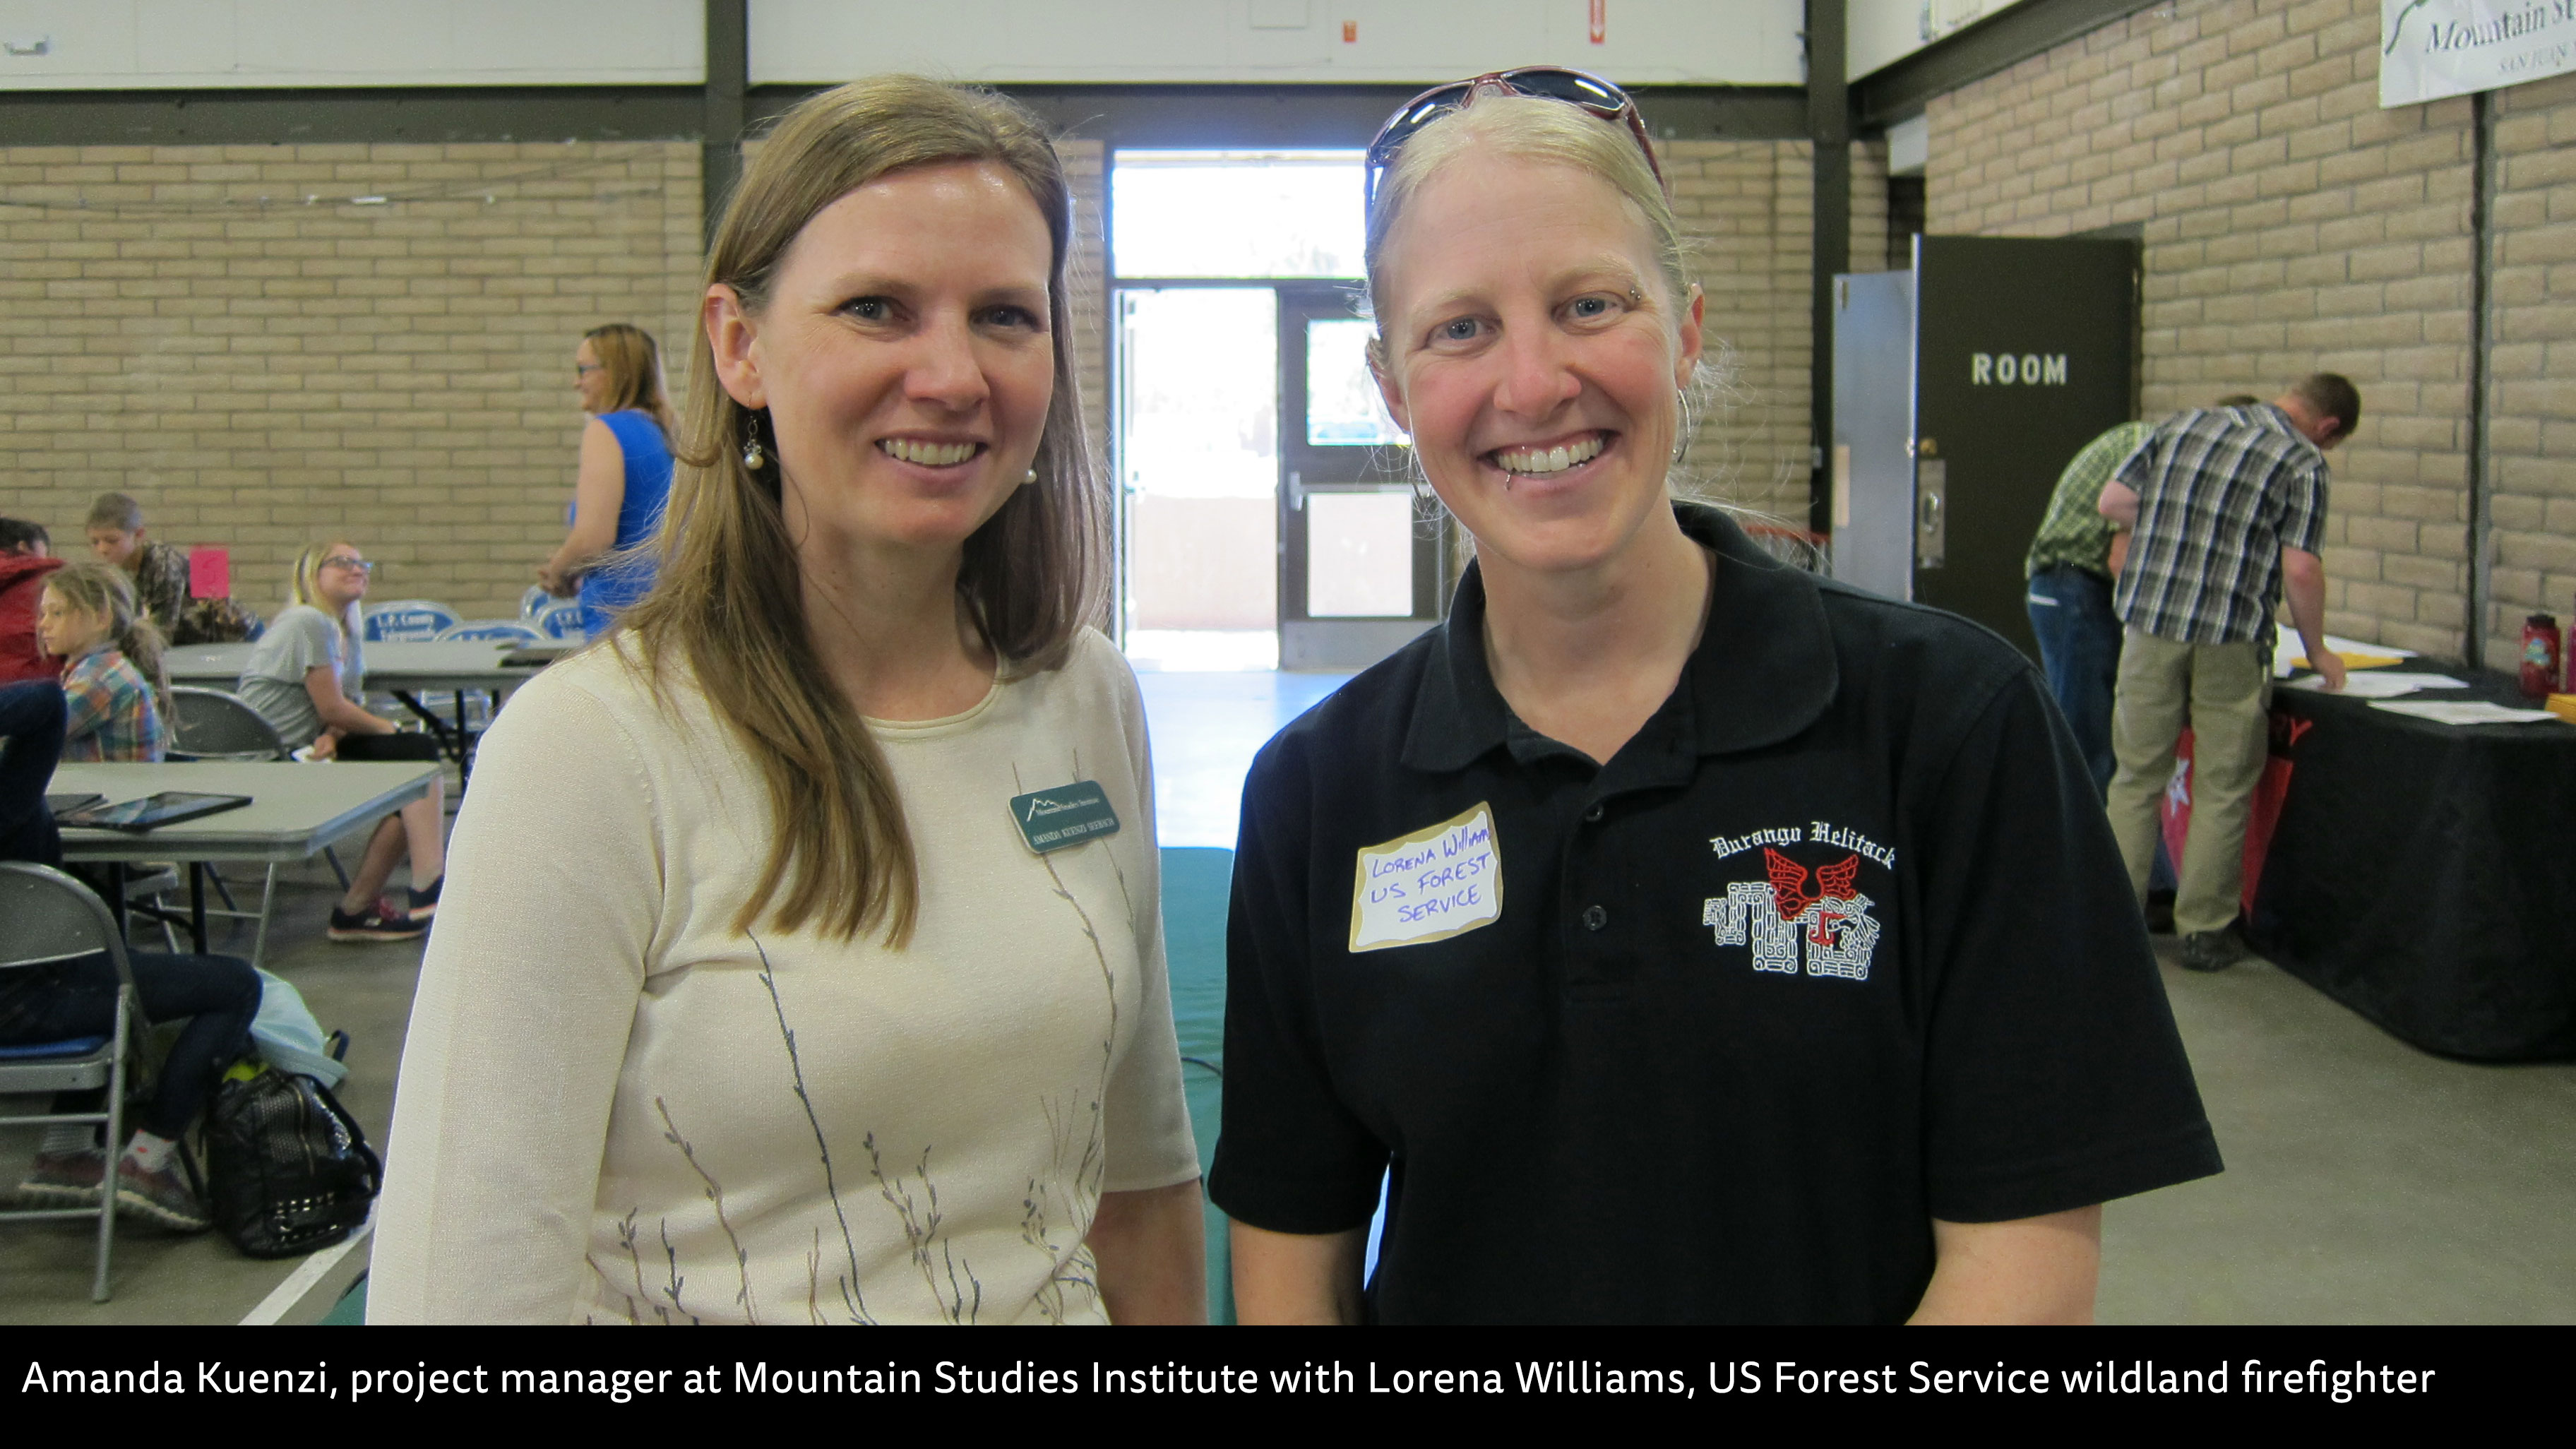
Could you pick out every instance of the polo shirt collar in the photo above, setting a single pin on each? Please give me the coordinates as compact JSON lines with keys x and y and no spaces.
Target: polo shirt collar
{"x":1764,"y":669}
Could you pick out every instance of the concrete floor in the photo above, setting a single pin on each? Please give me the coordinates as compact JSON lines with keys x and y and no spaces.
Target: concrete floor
{"x":2367,"y":1182}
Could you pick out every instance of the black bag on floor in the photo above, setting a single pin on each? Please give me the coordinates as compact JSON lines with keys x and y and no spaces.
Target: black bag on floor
{"x":287,"y":1169}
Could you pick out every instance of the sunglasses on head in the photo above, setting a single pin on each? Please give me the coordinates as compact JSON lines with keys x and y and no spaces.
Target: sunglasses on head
{"x":1547,"y":82}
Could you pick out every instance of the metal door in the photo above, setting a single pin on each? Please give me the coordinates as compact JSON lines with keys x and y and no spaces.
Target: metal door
{"x":1873,"y":458}
{"x":1359,"y":550}
{"x":2022,"y":355}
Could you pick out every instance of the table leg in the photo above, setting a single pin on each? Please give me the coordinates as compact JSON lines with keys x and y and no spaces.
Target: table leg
{"x":438,"y":728}
{"x":116,"y":896}
{"x":197,"y":905}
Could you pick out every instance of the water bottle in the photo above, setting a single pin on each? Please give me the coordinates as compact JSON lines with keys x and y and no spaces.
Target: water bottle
{"x":2541,"y":670}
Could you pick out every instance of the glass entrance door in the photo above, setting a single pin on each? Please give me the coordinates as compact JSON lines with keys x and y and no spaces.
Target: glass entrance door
{"x":1359,"y":552}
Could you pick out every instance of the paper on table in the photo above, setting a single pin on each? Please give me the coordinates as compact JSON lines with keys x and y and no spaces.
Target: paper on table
{"x":2289,"y":652}
{"x":2381,"y":684}
{"x":2462,"y":711}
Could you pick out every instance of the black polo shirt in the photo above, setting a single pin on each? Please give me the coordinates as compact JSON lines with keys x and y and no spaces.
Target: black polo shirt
{"x":1839,"y":943}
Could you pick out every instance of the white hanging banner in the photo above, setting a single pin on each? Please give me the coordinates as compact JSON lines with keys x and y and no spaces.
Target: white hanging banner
{"x":2429,"y":49}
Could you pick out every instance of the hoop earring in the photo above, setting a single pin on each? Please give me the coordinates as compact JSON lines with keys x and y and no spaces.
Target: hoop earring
{"x":754,"y":457}
{"x":1682,"y":442}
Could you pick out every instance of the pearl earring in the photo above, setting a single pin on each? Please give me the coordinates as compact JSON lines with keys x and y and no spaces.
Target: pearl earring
{"x":753,"y":455}
{"x":1028,"y":477}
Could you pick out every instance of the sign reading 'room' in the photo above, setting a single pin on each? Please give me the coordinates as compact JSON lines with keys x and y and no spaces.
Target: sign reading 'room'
{"x":2029,"y":369}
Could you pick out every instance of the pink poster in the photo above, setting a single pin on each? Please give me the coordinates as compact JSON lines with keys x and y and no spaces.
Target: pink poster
{"x":210,"y":573}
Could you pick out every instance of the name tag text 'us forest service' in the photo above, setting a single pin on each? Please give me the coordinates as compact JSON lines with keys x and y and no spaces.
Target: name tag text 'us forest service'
{"x":1428,"y":886}
{"x":1066,"y":815}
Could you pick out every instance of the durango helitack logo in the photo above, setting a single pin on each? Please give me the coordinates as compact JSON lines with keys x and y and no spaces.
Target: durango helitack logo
{"x":1798,"y":917}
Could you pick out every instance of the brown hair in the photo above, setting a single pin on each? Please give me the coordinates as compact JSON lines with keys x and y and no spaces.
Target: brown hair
{"x":117,"y":511}
{"x":2332,"y":395}
{"x":95,"y":586}
{"x":634,"y":366}
{"x":728,"y":599}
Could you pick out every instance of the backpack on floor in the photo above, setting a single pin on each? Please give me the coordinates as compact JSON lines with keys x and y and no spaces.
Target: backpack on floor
{"x":288,"y":1171}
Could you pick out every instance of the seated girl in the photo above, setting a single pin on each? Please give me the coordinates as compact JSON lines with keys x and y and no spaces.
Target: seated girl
{"x":113,"y":686}
{"x":217,"y":996}
{"x":305,"y":677}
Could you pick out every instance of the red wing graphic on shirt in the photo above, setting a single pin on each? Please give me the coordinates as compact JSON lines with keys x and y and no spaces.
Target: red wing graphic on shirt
{"x":1782,"y":920}
{"x":1839,"y":881}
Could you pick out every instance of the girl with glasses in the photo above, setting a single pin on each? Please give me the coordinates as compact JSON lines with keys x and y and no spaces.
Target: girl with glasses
{"x":819,"y":907}
{"x":1679,"y":936}
{"x":305,"y":677}
{"x":625,"y":475}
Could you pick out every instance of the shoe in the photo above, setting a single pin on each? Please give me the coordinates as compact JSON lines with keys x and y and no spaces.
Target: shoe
{"x":2211,"y":950}
{"x":424,"y":904}
{"x":382,"y":921}
{"x":159,"y":1198}
{"x":64,"y":1179}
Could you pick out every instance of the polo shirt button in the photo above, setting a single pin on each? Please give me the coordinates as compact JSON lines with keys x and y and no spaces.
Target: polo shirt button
{"x":1594,"y":813}
{"x":1594,"y":918}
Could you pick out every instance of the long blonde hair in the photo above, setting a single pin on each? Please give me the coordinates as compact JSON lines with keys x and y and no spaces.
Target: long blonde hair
{"x":728,"y":599}
{"x":305,"y":587}
{"x":95,"y":586}
{"x":634,"y":365}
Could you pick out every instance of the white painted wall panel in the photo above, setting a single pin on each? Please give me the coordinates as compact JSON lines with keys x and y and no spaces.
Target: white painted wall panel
{"x":1879,"y":33}
{"x":176,"y":44}
{"x":1644,"y":42}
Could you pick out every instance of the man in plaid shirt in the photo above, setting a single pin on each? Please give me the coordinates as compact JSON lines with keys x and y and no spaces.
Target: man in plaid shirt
{"x":2229,"y":509}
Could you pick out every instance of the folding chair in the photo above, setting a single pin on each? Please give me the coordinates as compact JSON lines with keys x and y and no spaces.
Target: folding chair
{"x":535,"y":601}
{"x":405,"y":619}
{"x":46,"y":916}
{"x":564,"y":619}
{"x":208,"y":724}
{"x":517,"y":631}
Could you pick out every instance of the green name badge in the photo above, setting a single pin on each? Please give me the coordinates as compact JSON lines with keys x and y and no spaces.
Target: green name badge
{"x":1065,"y":815}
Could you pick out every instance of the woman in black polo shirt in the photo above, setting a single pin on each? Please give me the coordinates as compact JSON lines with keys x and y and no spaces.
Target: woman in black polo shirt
{"x":1694,"y":938}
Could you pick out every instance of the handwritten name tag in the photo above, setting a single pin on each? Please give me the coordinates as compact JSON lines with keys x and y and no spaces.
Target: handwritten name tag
{"x":1429,"y":886}
{"x":1066,"y":815}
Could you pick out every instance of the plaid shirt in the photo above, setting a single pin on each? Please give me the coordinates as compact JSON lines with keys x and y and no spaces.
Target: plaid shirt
{"x":110,"y":711}
{"x":2075,"y":534}
{"x":2221,"y":491}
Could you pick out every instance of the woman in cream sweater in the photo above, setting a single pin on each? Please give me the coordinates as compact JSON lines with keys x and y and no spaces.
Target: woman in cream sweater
{"x":751,"y":998}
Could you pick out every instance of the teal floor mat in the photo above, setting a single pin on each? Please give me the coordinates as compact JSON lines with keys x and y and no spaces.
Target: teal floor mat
{"x":1196,"y":884}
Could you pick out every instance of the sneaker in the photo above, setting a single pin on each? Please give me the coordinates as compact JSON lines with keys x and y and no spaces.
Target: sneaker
{"x":159,"y":1198}
{"x":382,"y":921}
{"x":2211,"y":950}
{"x":64,"y":1179}
{"x":424,"y":904}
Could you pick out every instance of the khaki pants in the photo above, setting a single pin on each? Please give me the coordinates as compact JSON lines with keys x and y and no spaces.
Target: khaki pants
{"x":2223,"y":692}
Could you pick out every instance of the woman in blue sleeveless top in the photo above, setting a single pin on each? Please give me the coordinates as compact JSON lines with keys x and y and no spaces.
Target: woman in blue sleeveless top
{"x":625,"y":475}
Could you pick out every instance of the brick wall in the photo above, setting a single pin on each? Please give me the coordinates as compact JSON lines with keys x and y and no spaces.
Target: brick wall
{"x":1747,"y":210}
{"x":2531,"y":431}
{"x":183,"y":325}
{"x":2291,"y":225}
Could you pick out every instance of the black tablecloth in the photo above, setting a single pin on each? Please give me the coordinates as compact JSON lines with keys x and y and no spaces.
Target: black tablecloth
{"x":2425,"y":874}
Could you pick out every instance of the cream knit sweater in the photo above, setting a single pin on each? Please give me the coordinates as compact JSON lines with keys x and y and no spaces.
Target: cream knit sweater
{"x":614,"y":1107}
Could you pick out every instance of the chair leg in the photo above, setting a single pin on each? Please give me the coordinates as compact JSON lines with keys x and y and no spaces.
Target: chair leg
{"x":215,"y":878}
{"x":259,"y":936}
{"x":98,"y":1291}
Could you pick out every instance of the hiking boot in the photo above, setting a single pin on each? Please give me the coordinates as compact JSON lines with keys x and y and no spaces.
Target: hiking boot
{"x":64,"y":1179}
{"x":382,"y":921}
{"x":159,"y":1198}
{"x":424,"y":904}
{"x":2211,"y":950}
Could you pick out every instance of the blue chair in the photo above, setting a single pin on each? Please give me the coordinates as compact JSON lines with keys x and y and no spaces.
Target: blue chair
{"x":46,"y":916}
{"x":564,"y":621}
{"x":535,"y":601}
{"x":405,"y":619}
{"x":482,"y":704}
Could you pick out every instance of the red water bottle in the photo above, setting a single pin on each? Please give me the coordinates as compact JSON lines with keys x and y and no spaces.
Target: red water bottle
{"x":2540,"y":667}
